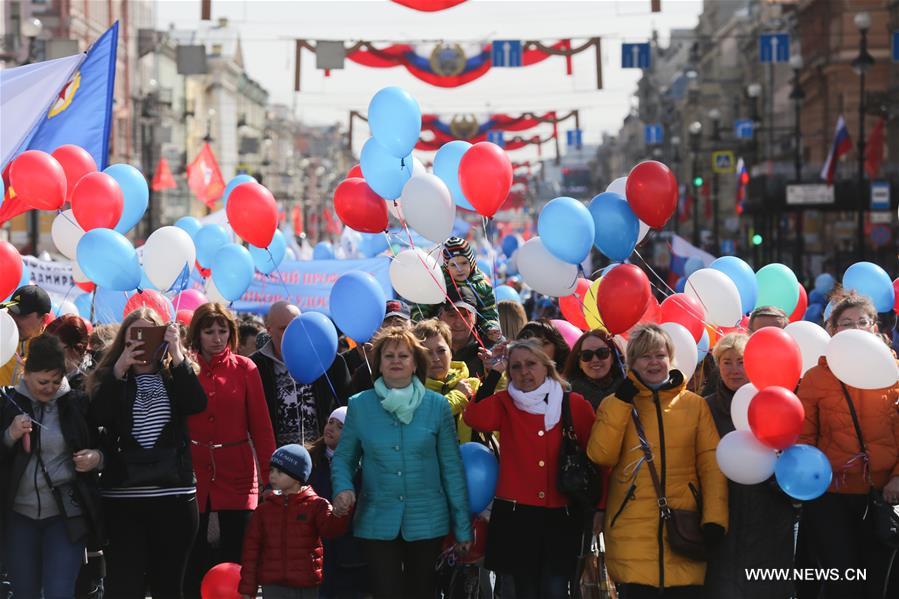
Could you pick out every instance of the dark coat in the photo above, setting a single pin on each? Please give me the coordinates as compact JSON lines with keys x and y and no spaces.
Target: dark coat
{"x":760,"y":531}
{"x":326,"y":400}
{"x":595,"y":391}
{"x":112,"y":407}
{"x":79,"y":432}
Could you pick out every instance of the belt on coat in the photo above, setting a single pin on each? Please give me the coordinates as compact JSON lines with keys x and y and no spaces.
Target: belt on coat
{"x":213,"y":446}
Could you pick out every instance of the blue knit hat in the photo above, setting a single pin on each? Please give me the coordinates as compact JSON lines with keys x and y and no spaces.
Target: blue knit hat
{"x":294,"y":461}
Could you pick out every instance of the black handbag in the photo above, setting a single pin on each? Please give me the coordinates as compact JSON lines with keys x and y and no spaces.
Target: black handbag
{"x":579,"y":479}
{"x":157,"y":467}
{"x":880,"y":515}
{"x":68,"y":501}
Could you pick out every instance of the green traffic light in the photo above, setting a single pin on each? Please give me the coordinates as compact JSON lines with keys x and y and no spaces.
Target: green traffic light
{"x":697,"y":181}
{"x":756,"y":239}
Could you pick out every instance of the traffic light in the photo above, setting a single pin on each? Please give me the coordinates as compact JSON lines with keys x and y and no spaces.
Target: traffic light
{"x":756,"y":239}
{"x":698,"y":181}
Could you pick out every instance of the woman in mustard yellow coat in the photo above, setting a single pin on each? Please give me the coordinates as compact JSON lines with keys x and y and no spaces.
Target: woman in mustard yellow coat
{"x":682,"y":436}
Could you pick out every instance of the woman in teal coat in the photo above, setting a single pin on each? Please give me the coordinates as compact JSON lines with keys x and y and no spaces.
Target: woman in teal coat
{"x":413,"y":483}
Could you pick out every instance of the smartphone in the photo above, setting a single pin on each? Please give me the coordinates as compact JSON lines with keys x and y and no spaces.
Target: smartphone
{"x":153,"y":339}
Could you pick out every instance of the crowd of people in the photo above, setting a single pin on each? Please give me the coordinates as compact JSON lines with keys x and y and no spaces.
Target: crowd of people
{"x":138,"y":462}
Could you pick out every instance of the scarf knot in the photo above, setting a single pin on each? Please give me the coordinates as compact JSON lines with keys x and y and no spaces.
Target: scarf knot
{"x":545,"y":399}
{"x":403,"y":402}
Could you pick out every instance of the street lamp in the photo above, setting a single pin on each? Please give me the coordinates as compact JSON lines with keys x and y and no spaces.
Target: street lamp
{"x":695,"y":130}
{"x":860,"y":65}
{"x":31,"y":29}
{"x":715,"y":116}
{"x":210,"y":114}
{"x":797,"y":95}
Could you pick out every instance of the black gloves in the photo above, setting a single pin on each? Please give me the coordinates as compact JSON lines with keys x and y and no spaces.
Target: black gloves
{"x":627,"y":391}
{"x":712,"y":534}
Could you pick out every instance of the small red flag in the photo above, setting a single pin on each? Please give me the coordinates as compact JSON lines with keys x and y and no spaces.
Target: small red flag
{"x":162,"y":178}
{"x":874,"y":149}
{"x":205,"y":178}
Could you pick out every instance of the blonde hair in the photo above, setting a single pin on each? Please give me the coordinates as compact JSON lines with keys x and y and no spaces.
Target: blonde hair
{"x":433,"y":327}
{"x":535,"y":346}
{"x":734,"y":341}
{"x":646,"y":338}
{"x":400,"y":335}
{"x":511,"y":318}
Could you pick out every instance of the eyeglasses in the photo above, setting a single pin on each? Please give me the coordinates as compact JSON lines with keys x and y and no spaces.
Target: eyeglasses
{"x":602,"y":353}
{"x":861,"y":323}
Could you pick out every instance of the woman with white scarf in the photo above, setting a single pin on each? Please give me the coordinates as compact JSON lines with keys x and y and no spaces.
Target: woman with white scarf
{"x":534,"y":536}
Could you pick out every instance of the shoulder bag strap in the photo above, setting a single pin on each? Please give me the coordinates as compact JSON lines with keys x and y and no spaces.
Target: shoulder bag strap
{"x":858,"y":428}
{"x":664,"y":510}
{"x":567,"y":426}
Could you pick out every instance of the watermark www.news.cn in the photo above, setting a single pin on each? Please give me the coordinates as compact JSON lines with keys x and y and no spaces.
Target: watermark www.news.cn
{"x":810,"y":574}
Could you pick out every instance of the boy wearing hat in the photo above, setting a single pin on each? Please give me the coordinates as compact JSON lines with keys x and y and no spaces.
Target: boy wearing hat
{"x":282,"y":549}
{"x":27,"y":306}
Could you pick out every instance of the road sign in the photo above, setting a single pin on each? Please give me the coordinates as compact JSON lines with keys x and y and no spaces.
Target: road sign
{"x":809,"y":194}
{"x":880,"y":195}
{"x":728,"y":247}
{"x":895,"y":37}
{"x":743,"y":128}
{"x":574,"y":138}
{"x":506,"y":53}
{"x":723,"y":161}
{"x":774,"y":47}
{"x":496,"y":137}
{"x":653,"y":135}
{"x":635,"y":56}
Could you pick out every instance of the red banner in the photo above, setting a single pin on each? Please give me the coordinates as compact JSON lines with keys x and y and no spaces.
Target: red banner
{"x":163,"y":178}
{"x":205,"y":178}
{"x":429,"y":5}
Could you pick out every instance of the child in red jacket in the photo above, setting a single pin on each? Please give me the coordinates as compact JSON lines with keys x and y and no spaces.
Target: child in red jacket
{"x":282,"y":549}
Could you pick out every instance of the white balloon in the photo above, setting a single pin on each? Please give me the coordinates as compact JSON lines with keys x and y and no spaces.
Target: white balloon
{"x":812,"y":341}
{"x":167,"y":252}
{"x":739,"y":406}
{"x":861,"y":360}
{"x":66,"y":307}
{"x":9,"y":336}
{"x":393,"y":206}
{"x":66,"y":233}
{"x":213,"y":294}
{"x":417,"y":277}
{"x":685,"y":352}
{"x":77,"y":274}
{"x":543,"y":272}
{"x":618,"y":186}
{"x":743,"y":459}
{"x":644,"y":229}
{"x":418,"y":168}
{"x":718,"y":294}
{"x":428,"y":207}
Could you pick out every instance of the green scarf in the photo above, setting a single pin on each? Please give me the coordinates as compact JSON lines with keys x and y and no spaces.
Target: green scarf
{"x":401,"y":402}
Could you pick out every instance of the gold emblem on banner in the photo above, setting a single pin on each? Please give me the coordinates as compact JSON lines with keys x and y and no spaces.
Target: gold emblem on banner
{"x":448,"y":60}
{"x":464,"y":126}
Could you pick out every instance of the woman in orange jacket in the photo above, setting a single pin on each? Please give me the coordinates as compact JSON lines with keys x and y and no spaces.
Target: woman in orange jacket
{"x":835,"y":527}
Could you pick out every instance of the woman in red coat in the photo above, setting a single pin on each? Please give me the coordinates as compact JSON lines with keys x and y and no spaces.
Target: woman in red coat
{"x":534,"y":535}
{"x":236,"y":415}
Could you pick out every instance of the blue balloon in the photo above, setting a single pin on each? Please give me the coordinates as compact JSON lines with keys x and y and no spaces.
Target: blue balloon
{"x":109,"y":260}
{"x":803,"y":472}
{"x":145,"y":282}
{"x":234,"y":182}
{"x":693,"y":264}
{"x":486,"y":268}
{"x":743,"y":277}
{"x":309,"y":346}
{"x":232,"y":271}
{"x":828,"y":309}
{"x":567,"y":230}
{"x":268,"y":260}
{"x":135,"y":192}
{"x":616,"y":225}
{"x":814,"y":313}
{"x":385,"y":174}
{"x":189,"y":224}
{"x":209,"y":240}
{"x":824,"y":283}
{"x":323,"y":250}
{"x":680,"y":285}
{"x":481,"y":474}
{"x":816,"y":297}
{"x":358,"y":305}
{"x":509,"y":244}
{"x":446,"y":166}
{"x":703,"y":346}
{"x":607,"y":269}
{"x":871,"y":280}
{"x":395,"y":120}
{"x":506,"y":293}
{"x":108,"y":305}
{"x":372,"y":244}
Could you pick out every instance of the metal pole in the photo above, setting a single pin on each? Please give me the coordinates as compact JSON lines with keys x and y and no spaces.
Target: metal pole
{"x":715,"y":216}
{"x":861,"y":150}
{"x":797,"y":167}
{"x":695,"y":198}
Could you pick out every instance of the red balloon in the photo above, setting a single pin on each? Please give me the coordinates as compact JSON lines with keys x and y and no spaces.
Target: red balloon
{"x":39,"y":179}
{"x":97,"y":202}
{"x":485,"y":176}
{"x":360,"y":208}
{"x":10,"y":269}
{"x":685,"y":310}
{"x":801,"y":305}
{"x":652,"y":315}
{"x":622,"y":297}
{"x":152,"y":299}
{"x":221,"y":581}
{"x":651,"y":192}
{"x":572,"y":306}
{"x":204,"y":272}
{"x":86,"y":286}
{"x":253,"y":213}
{"x":355,"y":172}
{"x":775,"y":417}
{"x":772,"y":358}
{"x":184,"y":317}
{"x":76,"y":162}
{"x":896,"y":291}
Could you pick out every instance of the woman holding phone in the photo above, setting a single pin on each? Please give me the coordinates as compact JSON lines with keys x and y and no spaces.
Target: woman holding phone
{"x":143,"y":404}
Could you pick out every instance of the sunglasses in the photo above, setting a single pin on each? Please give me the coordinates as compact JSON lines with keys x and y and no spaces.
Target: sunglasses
{"x":602,"y":353}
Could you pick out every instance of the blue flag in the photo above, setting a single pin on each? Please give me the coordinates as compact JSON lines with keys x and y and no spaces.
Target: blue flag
{"x":82,"y":112}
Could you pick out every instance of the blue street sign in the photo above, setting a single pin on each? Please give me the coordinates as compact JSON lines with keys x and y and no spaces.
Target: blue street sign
{"x":895,"y":37}
{"x":728,"y":247}
{"x":506,"y":53}
{"x":880,"y":195}
{"x":496,"y":137}
{"x":574,"y":138}
{"x":653,"y":135}
{"x":743,"y":128}
{"x":635,"y":56}
{"x":774,"y":47}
